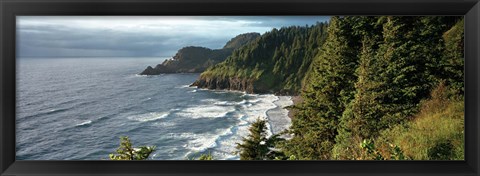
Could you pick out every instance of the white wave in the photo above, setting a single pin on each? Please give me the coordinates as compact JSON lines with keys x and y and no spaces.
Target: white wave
{"x":242,"y":120}
{"x":255,"y":108}
{"x":165,"y":124}
{"x":284,"y":101}
{"x":254,"y":101}
{"x":149,"y":116}
{"x":139,"y":75}
{"x":278,"y":117}
{"x":196,"y":142}
{"x":224,"y":103}
{"x":201,"y":142}
{"x":194,"y":91}
{"x":228,"y":144}
{"x":242,"y":102}
{"x":262,"y":104}
{"x":230,"y":103}
{"x":206,"y":111}
{"x":186,"y":86}
{"x":221,"y":91}
{"x":84,"y":123}
{"x":209,"y":100}
{"x":223,"y":142}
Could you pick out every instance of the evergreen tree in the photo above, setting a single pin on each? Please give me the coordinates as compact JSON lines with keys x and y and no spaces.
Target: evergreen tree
{"x":275,"y":63}
{"x":349,"y":126}
{"x":453,"y":58}
{"x":255,"y":146}
{"x":127,"y":152}
{"x":328,"y":89}
{"x":394,"y":75}
{"x":370,"y":75}
{"x":205,"y":157}
{"x":400,"y":75}
{"x":357,"y":78}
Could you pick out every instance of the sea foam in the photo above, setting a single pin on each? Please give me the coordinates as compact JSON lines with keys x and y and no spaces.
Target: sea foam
{"x":149,"y":116}
{"x":206,"y":111}
{"x":84,"y":123}
{"x":251,"y":108}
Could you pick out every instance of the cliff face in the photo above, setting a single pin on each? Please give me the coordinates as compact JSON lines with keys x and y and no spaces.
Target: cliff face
{"x":194,"y":59}
{"x":276,"y":62}
{"x":234,"y":83}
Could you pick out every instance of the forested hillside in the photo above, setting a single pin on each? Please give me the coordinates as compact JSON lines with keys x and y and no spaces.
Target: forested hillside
{"x":275,"y":63}
{"x":370,"y":91}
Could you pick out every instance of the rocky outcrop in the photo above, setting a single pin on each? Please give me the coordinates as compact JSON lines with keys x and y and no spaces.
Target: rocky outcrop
{"x":159,"y":69}
{"x":194,"y":59}
{"x":234,"y":83}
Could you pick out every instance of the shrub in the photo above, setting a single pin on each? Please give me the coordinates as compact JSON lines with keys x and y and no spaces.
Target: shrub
{"x":127,"y":152}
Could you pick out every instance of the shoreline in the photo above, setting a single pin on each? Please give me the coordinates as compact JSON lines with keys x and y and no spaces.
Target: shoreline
{"x":278,"y":117}
{"x":296,"y":100}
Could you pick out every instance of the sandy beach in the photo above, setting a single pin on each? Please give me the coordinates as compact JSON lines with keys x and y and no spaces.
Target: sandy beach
{"x":278,"y":117}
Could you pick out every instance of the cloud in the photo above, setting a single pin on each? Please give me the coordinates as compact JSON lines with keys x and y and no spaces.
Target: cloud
{"x":45,"y":36}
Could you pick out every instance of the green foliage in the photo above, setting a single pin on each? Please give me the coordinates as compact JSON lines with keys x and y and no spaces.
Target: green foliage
{"x":363,"y":80}
{"x":370,"y":76}
{"x":329,"y":86}
{"x":441,"y":151}
{"x":291,"y":157}
{"x":257,"y":146}
{"x":453,"y":59}
{"x":399,"y":78}
{"x":205,"y":157}
{"x":127,"y":152}
{"x":436,"y":132}
{"x":274,"y":63}
{"x":202,"y":157}
{"x":241,"y":40}
{"x":370,"y":152}
{"x":254,"y":147}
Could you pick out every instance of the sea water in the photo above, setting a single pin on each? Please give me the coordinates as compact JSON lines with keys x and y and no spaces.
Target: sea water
{"x":78,"y":108}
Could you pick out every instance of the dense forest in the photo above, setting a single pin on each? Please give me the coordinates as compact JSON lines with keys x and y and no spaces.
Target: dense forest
{"x":370,"y":88}
{"x":383,"y":87}
{"x":275,"y":63}
{"x":377,"y":88}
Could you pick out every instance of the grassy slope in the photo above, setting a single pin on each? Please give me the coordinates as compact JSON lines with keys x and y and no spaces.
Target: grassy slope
{"x":435,"y":133}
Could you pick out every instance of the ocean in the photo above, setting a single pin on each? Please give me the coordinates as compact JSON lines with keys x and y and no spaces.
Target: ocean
{"x":78,"y":108}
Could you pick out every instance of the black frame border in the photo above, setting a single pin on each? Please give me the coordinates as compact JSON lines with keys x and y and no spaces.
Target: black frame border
{"x":9,"y":9}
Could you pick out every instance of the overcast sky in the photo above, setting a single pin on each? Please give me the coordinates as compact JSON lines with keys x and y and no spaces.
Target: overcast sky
{"x":144,"y":36}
